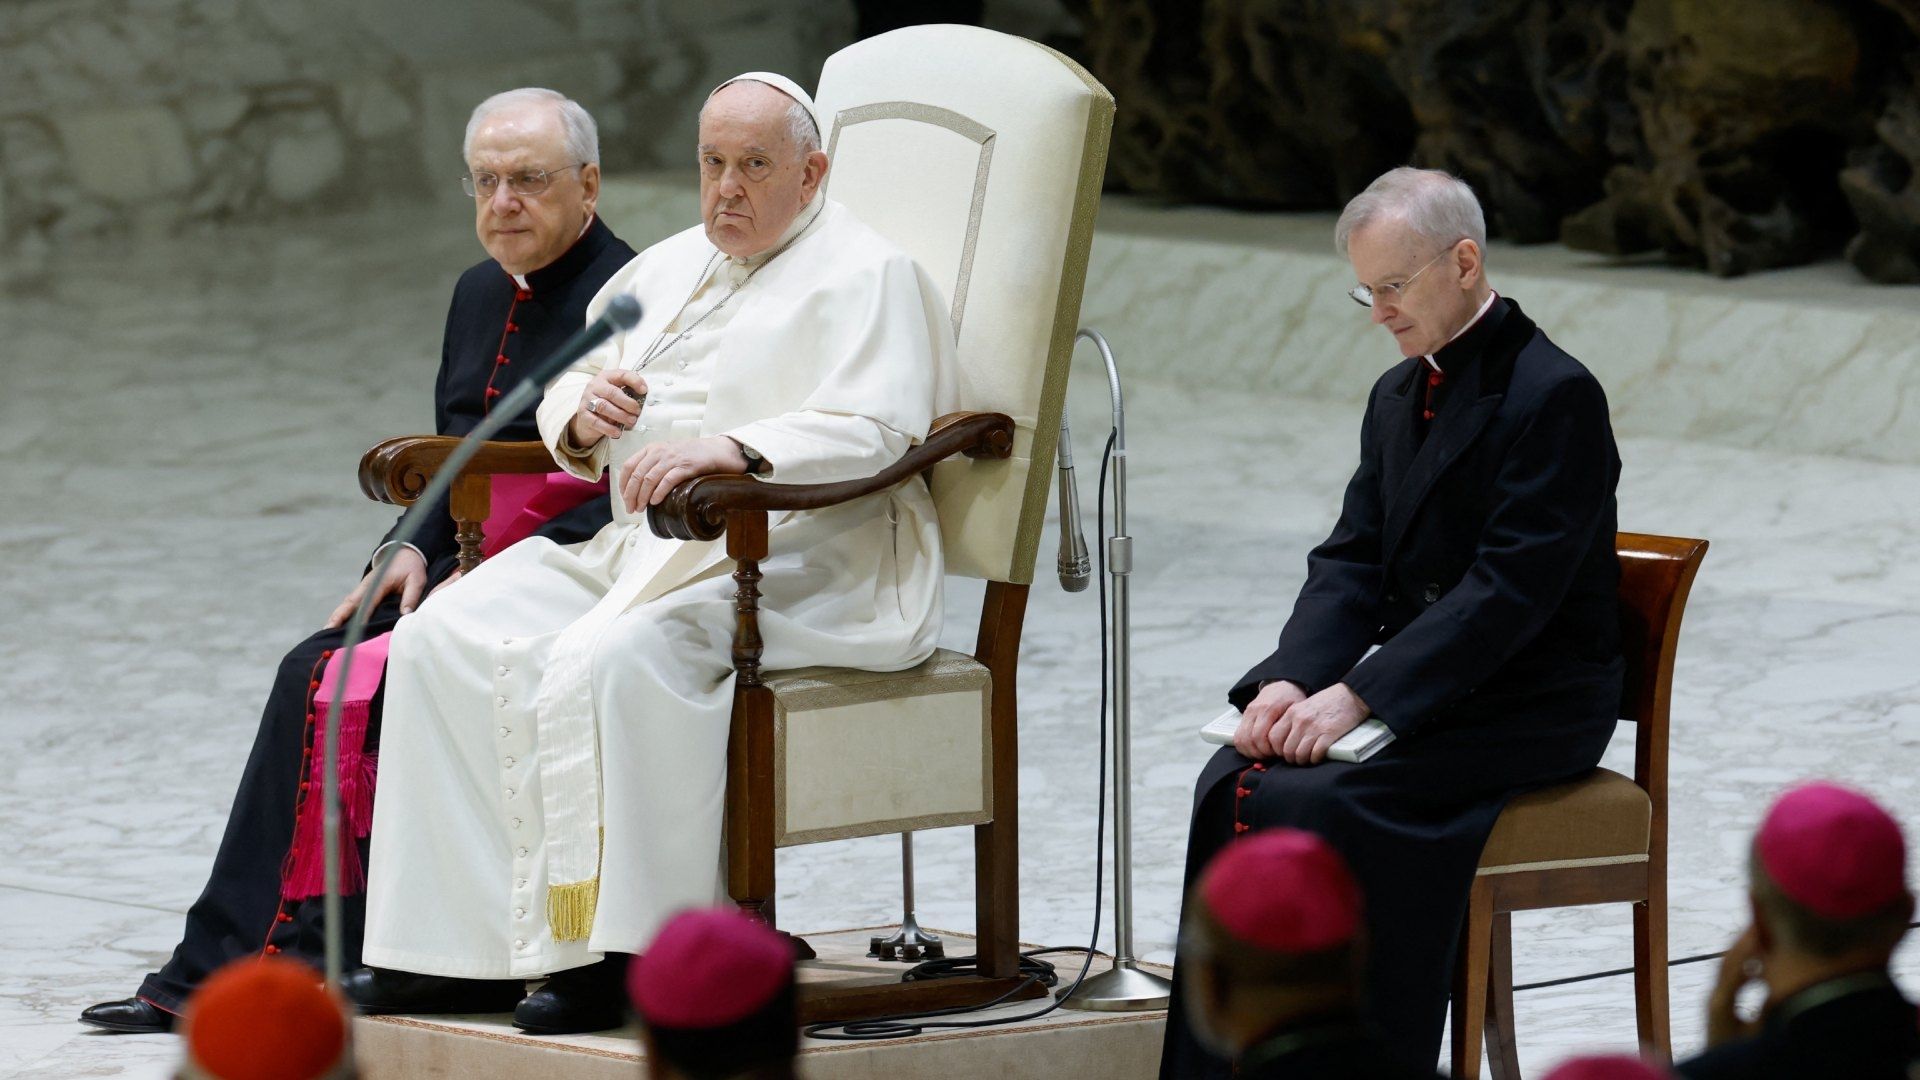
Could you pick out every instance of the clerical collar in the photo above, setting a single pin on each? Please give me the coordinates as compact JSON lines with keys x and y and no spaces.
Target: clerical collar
{"x":1485,"y":306}
{"x":586,"y":247}
{"x":1826,"y":993}
{"x":801,"y":222}
{"x":1342,"y":1025}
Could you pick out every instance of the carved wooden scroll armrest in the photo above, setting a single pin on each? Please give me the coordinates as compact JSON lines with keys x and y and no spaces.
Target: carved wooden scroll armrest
{"x":698,"y":508}
{"x":399,"y":469}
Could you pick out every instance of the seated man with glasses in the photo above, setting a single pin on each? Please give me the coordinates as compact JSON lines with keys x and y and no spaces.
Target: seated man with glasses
{"x":533,"y":169}
{"x":1475,"y":549}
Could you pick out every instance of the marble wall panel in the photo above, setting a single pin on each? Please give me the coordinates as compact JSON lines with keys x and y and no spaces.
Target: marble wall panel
{"x":142,"y":116}
{"x":1797,"y":361}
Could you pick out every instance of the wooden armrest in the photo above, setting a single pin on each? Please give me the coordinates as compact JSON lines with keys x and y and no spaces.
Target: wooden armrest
{"x":398,"y":470}
{"x":697,"y":509}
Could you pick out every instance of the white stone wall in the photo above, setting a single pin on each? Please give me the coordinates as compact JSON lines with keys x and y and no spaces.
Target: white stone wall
{"x":139,"y":117}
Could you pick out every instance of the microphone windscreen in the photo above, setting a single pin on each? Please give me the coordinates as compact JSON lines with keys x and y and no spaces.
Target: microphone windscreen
{"x":623,"y":312}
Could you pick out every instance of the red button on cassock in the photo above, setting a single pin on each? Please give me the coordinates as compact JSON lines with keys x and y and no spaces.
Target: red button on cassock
{"x":523,"y":294}
{"x":273,"y":950}
{"x":1241,"y":826}
{"x":283,"y":917}
{"x":493,"y":392}
{"x":1242,"y":792}
{"x":501,"y":359}
{"x":513,"y":327}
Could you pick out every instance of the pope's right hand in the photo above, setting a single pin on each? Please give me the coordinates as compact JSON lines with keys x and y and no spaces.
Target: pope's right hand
{"x":406,"y":575}
{"x":609,"y":406}
{"x":1257,"y":719}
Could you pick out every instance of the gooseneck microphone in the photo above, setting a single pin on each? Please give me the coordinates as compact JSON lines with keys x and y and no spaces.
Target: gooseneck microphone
{"x":1075,"y":568}
{"x":622,"y":313}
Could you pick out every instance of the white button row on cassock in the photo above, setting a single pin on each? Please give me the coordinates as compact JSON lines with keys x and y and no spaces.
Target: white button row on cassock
{"x":522,"y":895}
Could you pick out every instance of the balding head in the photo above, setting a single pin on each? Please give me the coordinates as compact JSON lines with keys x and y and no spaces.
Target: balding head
{"x":760,"y":165}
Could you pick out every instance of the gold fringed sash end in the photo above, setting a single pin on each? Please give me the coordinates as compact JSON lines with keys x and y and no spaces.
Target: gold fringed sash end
{"x":570,"y":909}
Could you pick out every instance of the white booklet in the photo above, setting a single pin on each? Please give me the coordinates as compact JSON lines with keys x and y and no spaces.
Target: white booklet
{"x":1357,"y":745}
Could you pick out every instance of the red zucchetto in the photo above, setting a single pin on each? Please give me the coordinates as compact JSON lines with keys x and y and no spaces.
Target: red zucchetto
{"x":266,"y":1019}
{"x":1283,"y":890}
{"x":1609,"y":1067}
{"x":1833,"y":851}
{"x":708,"y":969}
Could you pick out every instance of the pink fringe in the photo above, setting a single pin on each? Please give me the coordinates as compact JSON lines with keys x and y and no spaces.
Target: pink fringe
{"x":304,"y":873}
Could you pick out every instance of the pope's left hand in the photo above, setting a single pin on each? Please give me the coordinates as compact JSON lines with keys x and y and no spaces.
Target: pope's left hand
{"x":1309,"y":728}
{"x":661,"y":466}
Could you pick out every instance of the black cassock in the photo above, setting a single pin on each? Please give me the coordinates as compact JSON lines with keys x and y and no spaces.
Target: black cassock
{"x":495,"y":331}
{"x":1338,"y":1047}
{"x":1477,"y":549}
{"x":1857,"y":1026}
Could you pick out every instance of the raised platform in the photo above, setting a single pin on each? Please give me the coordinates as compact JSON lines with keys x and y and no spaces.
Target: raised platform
{"x":1809,"y":360}
{"x":1074,"y":1045}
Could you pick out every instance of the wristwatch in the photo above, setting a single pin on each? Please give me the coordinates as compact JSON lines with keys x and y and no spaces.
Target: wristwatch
{"x":754,"y":461}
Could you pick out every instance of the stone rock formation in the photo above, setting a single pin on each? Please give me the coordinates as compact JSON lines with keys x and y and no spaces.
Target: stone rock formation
{"x":1734,"y":135}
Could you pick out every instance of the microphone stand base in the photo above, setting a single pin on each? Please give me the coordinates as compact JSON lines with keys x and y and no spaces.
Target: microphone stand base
{"x":1124,"y":989}
{"x":911,"y":945}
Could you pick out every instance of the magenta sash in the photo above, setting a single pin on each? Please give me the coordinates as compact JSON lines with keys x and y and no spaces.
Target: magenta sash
{"x":520,"y":504}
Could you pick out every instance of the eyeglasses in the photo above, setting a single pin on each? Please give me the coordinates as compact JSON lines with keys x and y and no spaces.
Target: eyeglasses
{"x":482,"y":185}
{"x":1364,"y":294}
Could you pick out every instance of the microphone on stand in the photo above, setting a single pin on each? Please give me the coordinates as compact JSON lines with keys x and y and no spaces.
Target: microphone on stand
{"x":1076,"y":570}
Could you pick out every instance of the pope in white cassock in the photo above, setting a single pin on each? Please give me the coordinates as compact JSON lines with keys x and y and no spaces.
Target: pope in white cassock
{"x":554,"y":752}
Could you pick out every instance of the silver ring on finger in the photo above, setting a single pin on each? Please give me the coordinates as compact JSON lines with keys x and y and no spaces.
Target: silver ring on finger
{"x":593,"y":406}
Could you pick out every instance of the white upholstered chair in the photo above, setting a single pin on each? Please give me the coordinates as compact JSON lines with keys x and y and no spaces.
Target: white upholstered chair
{"x":981,"y":155}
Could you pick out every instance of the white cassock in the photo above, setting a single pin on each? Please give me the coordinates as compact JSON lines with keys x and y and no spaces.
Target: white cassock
{"x":556,"y":696}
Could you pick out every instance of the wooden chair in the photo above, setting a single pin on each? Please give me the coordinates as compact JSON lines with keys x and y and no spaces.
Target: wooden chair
{"x":1601,"y":839}
{"x":981,"y":155}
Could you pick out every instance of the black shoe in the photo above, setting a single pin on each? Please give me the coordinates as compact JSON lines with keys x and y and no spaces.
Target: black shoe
{"x":130,"y":1016}
{"x":378,"y":990}
{"x":590,"y":998}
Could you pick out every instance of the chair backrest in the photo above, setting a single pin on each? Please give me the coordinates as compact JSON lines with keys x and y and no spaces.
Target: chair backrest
{"x":981,"y":154}
{"x":1656,"y":576}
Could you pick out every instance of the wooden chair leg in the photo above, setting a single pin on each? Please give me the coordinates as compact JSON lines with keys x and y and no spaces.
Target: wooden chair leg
{"x":1470,"y":983}
{"x":1503,"y":1058}
{"x":749,"y":826}
{"x":996,"y":845}
{"x":750,"y":765}
{"x":1651,"y":1010}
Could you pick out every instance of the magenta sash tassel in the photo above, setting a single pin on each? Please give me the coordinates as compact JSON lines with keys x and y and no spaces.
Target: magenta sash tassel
{"x":304,"y":873}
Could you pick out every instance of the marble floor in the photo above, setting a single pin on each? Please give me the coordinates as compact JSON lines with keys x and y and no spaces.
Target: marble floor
{"x":180,"y":424}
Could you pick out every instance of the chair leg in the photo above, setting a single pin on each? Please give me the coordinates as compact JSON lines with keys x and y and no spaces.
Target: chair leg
{"x":1503,"y":1058}
{"x":1470,"y":983}
{"x":749,"y":818}
{"x":1651,"y":1009}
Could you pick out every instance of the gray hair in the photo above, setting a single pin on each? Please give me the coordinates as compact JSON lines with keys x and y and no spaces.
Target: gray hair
{"x":801,"y":130}
{"x":581,"y":137}
{"x":1435,"y":204}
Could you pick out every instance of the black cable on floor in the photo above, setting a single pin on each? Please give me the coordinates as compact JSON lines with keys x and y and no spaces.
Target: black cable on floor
{"x":1592,"y":975}
{"x":1033,"y":971}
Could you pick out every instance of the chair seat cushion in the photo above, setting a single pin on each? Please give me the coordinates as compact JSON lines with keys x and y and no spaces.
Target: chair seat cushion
{"x":860,"y":753}
{"x":1599,"y":819}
